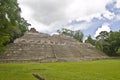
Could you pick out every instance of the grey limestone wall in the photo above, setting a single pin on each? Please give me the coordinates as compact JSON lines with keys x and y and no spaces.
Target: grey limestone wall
{"x":45,"y":48}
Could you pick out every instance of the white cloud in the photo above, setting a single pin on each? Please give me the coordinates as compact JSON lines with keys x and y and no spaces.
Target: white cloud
{"x":86,"y":9}
{"x":109,"y":15}
{"x":118,"y":17}
{"x":81,"y":26}
{"x":105,"y":27}
{"x":48,"y":15}
{"x":118,"y":4}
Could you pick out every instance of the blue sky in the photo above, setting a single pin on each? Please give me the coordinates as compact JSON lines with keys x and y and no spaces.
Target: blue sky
{"x":89,"y":16}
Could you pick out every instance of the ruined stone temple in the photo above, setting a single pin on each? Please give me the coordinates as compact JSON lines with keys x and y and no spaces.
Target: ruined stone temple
{"x":34,"y":46}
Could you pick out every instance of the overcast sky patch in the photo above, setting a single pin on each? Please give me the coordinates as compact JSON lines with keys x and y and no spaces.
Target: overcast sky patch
{"x":50,"y":15}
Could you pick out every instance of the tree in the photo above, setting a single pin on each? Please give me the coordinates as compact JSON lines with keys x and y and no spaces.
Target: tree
{"x":78,"y":35}
{"x":114,"y":40}
{"x":12,"y":25}
{"x":65,"y":31}
{"x":109,"y":43}
{"x":102,"y":35}
{"x":101,"y":39}
{"x":90,"y":40}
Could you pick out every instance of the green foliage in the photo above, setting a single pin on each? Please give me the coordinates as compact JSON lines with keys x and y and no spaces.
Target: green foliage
{"x":90,"y":40}
{"x":91,"y":70}
{"x":2,"y":48}
{"x":101,"y":39}
{"x":78,"y":35}
{"x":3,"y":41}
{"x":118,"y":51}
{"x":109,"y":42}
{"x":114,"y":41}
{"x":12,"y":25}
{"x":66,"y":32}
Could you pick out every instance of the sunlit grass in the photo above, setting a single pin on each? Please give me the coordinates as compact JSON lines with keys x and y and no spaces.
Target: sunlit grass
{"x":91,"y":70}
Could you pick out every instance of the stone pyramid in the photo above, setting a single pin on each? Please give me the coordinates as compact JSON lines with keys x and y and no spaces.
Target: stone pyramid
{"x":34,"y":46}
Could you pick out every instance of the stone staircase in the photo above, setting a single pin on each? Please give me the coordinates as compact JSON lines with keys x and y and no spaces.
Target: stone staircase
{"x":34,"y":46}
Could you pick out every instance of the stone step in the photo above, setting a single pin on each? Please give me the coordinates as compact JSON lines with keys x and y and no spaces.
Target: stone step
{"x":45,"y":48}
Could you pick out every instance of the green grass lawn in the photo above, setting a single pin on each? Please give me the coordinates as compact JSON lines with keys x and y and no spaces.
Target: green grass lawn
{"x":91,"y":70}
